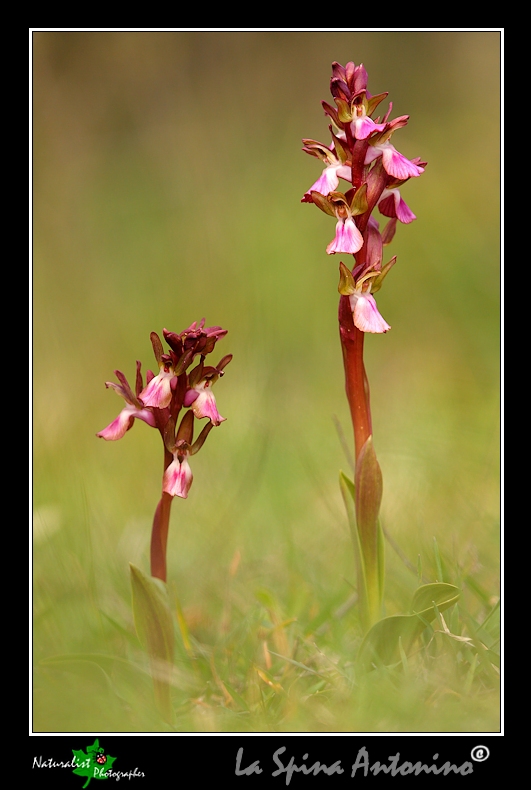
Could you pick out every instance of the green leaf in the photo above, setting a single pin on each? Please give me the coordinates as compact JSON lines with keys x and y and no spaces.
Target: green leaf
{"x":348,"y":492}
{"x":129,"y":635}
{"x":368,"y":498}
{"x":381,"y":559}
{"x":403,"y":657}
{"x":154,"y":626}
{"x":95,"y":764}
{"x":383,"y":642}
{"x":442,"y":594}
{"x":438,"y":563}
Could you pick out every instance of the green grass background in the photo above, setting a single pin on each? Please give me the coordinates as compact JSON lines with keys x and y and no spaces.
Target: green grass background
{"x":167,"y":183}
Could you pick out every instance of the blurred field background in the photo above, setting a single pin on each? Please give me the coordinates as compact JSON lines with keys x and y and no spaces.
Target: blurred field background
{"x":167,"y":178}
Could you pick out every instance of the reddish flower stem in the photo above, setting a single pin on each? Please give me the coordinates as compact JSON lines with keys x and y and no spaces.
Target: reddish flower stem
{"x":159,"y":533}
{"x":356,"y":383}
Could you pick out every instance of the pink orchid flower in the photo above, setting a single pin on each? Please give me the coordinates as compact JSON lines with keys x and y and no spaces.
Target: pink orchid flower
{"x":158,"y":392}
{"x":133,"y":410}
{"x":329,"y":179}
{"x":391,"y":204}
{"x":203,"y":403}
{"x":178,"y":476}
{"x":348,"y":238}
{"x":363,"y":126}
{"x":395,"y":163}
{"x":366,"y":314}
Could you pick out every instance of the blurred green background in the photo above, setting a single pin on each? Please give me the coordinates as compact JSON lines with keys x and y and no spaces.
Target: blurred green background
{"x":167,"y":183}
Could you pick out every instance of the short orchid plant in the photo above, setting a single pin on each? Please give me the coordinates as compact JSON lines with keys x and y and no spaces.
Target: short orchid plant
{"x":159,"y":404}
{"x":362,"y":155}
{"x":182,"y":382}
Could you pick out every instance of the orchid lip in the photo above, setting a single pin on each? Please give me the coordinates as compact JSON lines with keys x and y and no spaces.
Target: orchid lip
{"x":366,"y":315}
{"x":348,"y":238}
{"x":124,"y":422}
{"x":158,"y":392}
{"x":177,"y":478}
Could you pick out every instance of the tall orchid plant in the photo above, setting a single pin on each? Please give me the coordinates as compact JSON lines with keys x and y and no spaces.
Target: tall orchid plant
{"x":362,"y":155}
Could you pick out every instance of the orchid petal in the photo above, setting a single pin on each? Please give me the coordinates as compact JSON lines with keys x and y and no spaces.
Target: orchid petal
{"x":366,"y":315}
{"x":119,"y":426}
{"x":146,"y":416}
{"x":373,"y":152}
{"x":363,"y":127}
{"x":348,"y":238}
{"x":327,"y":182}
{"x":205,"y":405}
{"x":190,"y":397}
{"x":158,"y":392}
{"x":397,"y":165}
{"x":177,"y":478}
{"x":391,"y":204}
